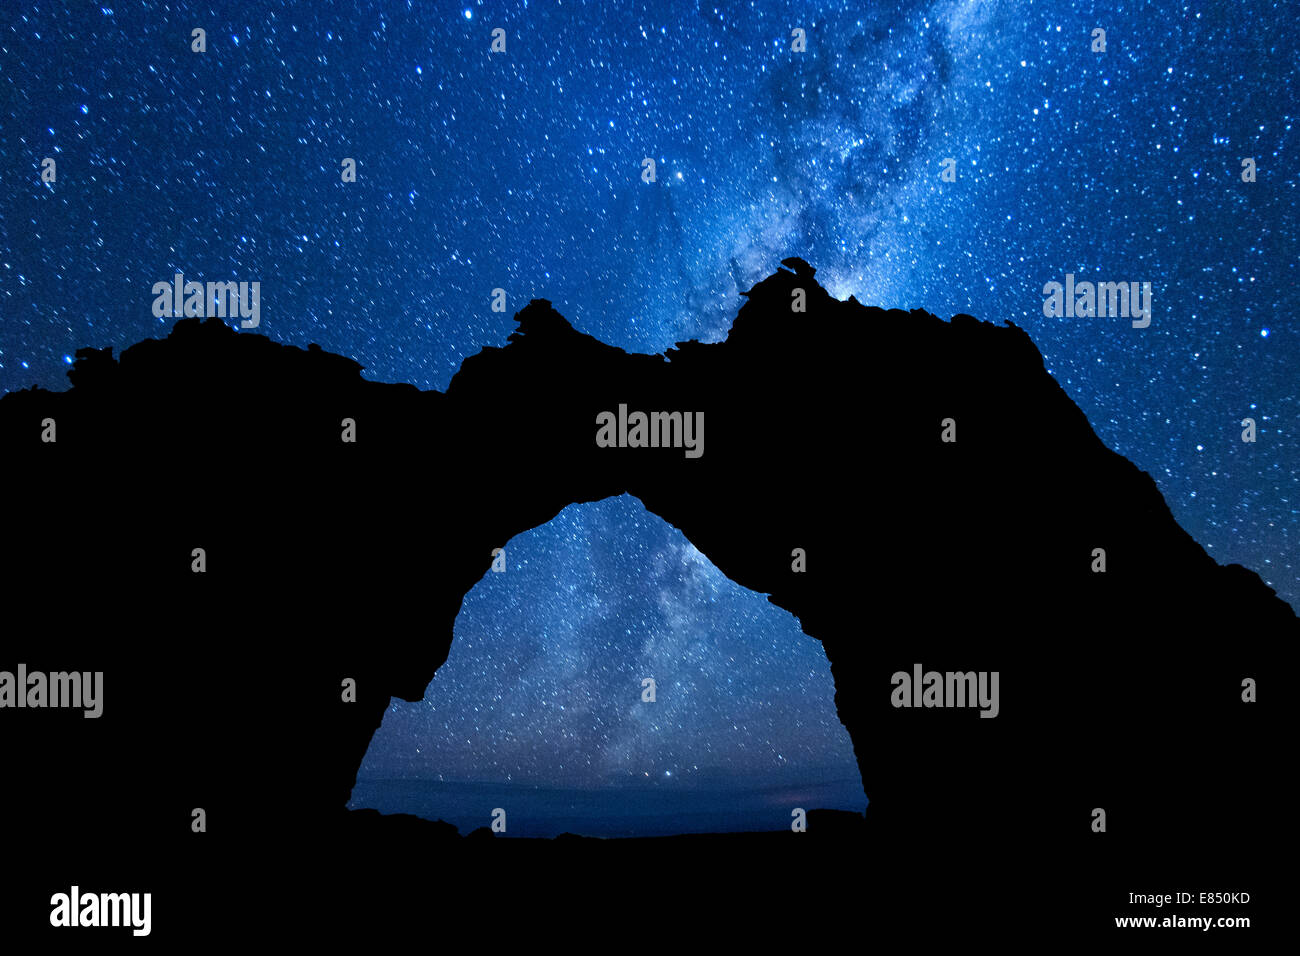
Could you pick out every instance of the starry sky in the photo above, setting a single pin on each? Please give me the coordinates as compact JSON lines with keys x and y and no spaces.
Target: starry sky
{"x":522,"y":170}
{"x":543,"y":688}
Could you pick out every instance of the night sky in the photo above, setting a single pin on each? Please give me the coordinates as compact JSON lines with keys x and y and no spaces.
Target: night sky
{"x":522,"y":170}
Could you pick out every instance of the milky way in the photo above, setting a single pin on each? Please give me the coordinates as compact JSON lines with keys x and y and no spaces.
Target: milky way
{"x":545,"y":680}
{"x":522,"y":171}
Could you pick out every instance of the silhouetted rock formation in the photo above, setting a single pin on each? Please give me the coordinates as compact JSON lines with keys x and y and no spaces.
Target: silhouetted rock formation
{"x":329,"y":560}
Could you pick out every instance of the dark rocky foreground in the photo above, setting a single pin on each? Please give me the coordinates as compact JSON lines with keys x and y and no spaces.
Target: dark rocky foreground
{"x":329,"y":560}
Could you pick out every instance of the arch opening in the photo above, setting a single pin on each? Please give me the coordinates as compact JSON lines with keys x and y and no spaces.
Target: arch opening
{"x":543,"y":709}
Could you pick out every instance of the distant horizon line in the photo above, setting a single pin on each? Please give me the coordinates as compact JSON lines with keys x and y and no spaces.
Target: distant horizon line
{"x":637,"y":785}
